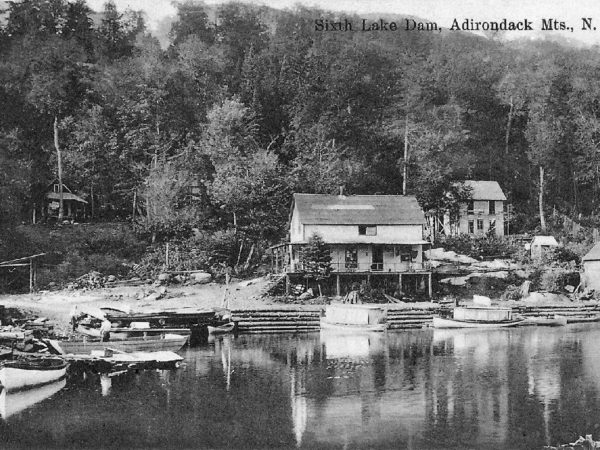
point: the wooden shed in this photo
(541, 245)
(591, 268)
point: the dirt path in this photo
(58, 305)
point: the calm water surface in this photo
(517, 388)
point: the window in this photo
(492, 226)
(367, 230)
(492, 207)
(479, 224)
(471, 227)
(470, 207)
(351, 258)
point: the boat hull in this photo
(170, 342)
(439, 322)
(17, 375)
(352, 328)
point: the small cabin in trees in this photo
(484, 213)
(74, 207)
(374, 238)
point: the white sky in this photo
(440, 11)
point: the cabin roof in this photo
(320, 209)
(593, 254)
(66, 196)
(485, 190)
(544, 240)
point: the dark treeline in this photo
(249, 104)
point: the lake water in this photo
(508, 388)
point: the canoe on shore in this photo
(439, 322)
(168, 342)
(29, 372)
(555, 320)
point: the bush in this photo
(563, 255)
(556, 279)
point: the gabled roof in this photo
(593, 254)
(66, 196)
(485, 190)
(320, 209)
(544, 240)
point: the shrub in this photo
(556, 279)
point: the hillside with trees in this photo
(205, 141)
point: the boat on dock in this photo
(478, 317)
(112, 362)
(354, 318)
(135, 329)
(166, 342)
(24, 373)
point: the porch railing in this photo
(345, 267)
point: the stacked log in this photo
(299, 319)
(401, 319)
(573, 313)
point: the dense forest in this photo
(246, 105)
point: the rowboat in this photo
(14, 402)
(167, 342)
(555, 320)
(29, 372)
(439, 322)
(134, 330)
(478, 317)
(354, 318)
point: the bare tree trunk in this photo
(61, 208)
(541, 200)
(508, 126)
(405, 168)
(134, 206)
(92, 201)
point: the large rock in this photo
(249, 282)
(200, 277)
(164, 277)
(441, 255)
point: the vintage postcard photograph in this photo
(299, 224)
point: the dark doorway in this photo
(377, 261)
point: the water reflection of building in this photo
(351, 394)
(469, 386)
